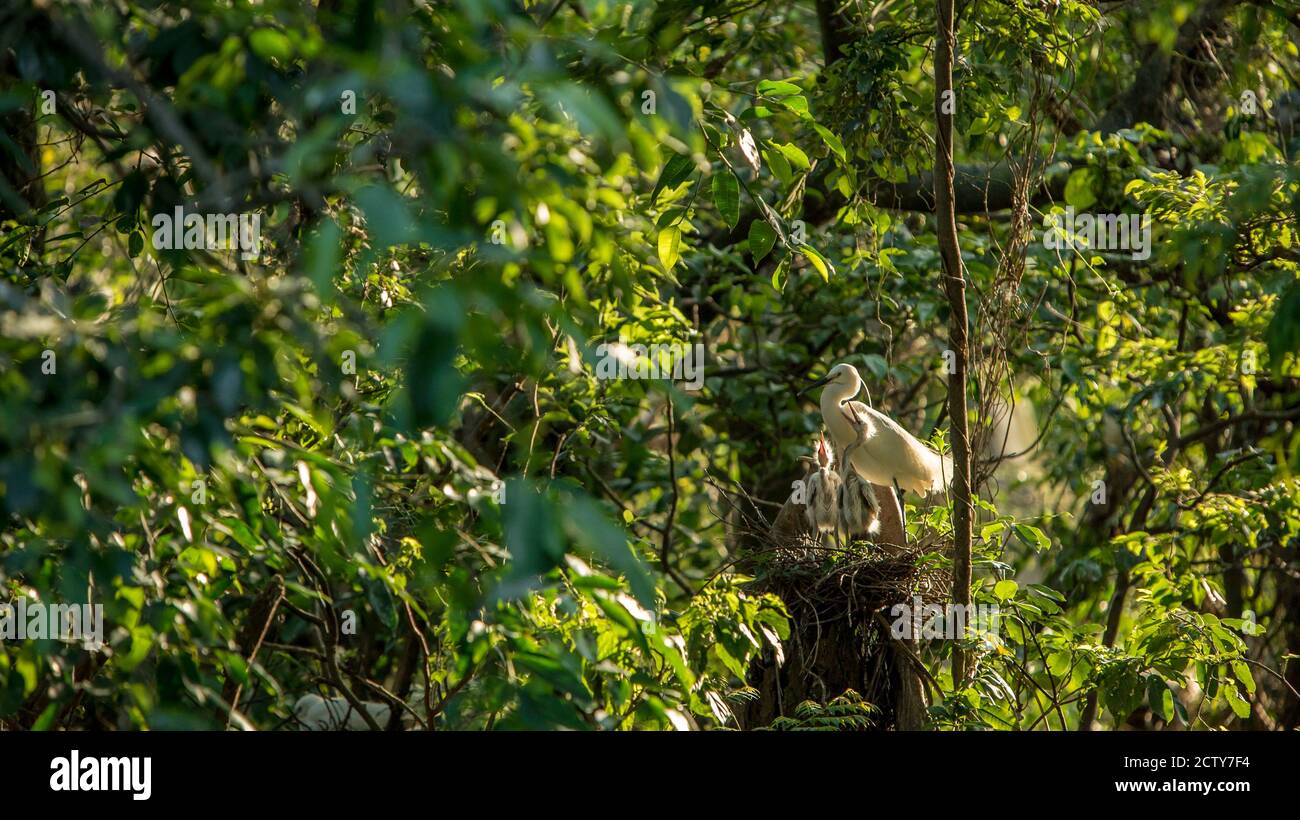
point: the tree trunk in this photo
(955, 285)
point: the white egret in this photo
(822, 495)
(877, 447)
(317, 714)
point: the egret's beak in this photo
(815, 385)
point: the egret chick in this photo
(859, 507)
(822, 498)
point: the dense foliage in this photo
(378, 461)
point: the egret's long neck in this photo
(833, 416)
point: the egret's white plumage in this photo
(317, 714)
(879, 450)
(822, 503)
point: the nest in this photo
(840, 649)
(821, 584)
(840, 643)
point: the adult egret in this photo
(823, 491)
(878, 449)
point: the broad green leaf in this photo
(832, 141)
(1283, 332)
(876, 365)
(1079, 188)
(778, 275)
(797, 158)
(761, 240)
(821, 263)
(1240, 707)
(670, 240)
(780, 166)
(798, 104)
(269, 44)
(1243, 674)
(1160, 697)
(778, 88)
(1032, 536)
(726, 196)
(674, 173)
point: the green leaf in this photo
(780, 166)
(589, 526)
(877, 365)
(531, 535)
(670, 216)
(674, 173)
(832, 141)
(595, 581)
(670, 240)
(268, 44)
(1160, 697)
(1283, 334)
(1048, 592)
(726, 196)
(1243, 674)
(1033, 537)
(761, 239)
(1239, 705)
(321, 259)
(797, 104)
(432, 379)
(619, 615)
(821, 263)
(46, 719)
(1005, 590)
(796, 156)
(778, 88)
(1079, 188)
(388, 215)
(778, 275)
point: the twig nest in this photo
(855, 581)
